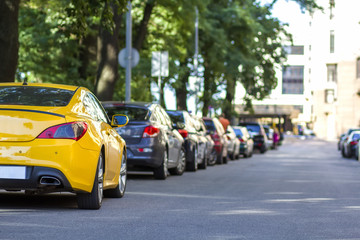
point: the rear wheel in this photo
(180, 168)
(212, 158)
(203, 165)
(119, 191)
(94, 199)
(219, 158)
(193, 166)
(162, 171)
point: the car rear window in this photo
(238, 132)
(176, 116)
(252, 127)
(133, 113)
(35, 96)
(210, 125)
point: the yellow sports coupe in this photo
(58, 138)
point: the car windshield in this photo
(133, 113)
(176, 116)
(35, 96)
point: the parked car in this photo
(184, 123)
(233, 143)
(258, 134)
(269, 134)
(218, 135)
(344, 138)
(246, 141)
(56, 138)
(350, 144)
(205, 138)
(152, 142)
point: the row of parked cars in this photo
(348, 143)
(168, 141)
(60, 138)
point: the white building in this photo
(322, 78)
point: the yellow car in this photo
(58, 138)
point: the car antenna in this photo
(25, 81)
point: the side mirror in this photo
(119, 120)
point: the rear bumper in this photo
(59, 158)
(33, 175)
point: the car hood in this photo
(18, 125)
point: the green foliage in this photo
(48, 49)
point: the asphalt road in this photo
(303, 190)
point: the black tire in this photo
(180, 168)
(94, 199)
(212, 158)
(225, 159)
(203, 165)
(119, 190)
(161, 172)
(343, 153)
(233, 156)
(192, 166)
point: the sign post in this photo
(160, 68)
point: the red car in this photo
(219, 137)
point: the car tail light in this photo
(241, 140)
(353, 142)
(183, 133)
(72, 130)
(150, 132)
(215, 137)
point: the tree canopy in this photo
(77, 42)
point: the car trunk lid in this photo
(19, 125)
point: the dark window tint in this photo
(209, 125)
(133, 113)
(176, 116)
(35, 96)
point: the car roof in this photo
(49, 85)
(134, 104)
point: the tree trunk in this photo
(142, 30)
(180, 90)
(207, 90)
(108, 49)
(230, 93)
(9, 39)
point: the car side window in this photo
(164, 117)
(94, 108)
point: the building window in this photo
(329, 95)
(358, 68)
(332, 73)
(294, 50)
(293, 80)
(332, 41)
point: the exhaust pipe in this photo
(49, 181)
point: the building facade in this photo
(319, 84)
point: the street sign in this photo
(135, 57)
(160, 64)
